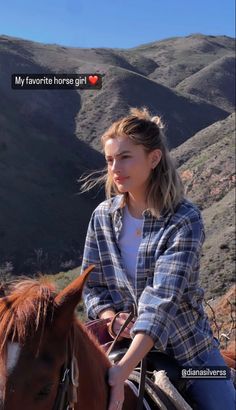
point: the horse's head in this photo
(34, 326)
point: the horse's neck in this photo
(93, 366)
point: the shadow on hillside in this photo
(42, 219)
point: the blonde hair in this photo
(165, 189)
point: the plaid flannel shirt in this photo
(166, 293)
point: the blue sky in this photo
(114, 23)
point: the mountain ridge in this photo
(48, 139)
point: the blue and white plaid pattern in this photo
(167, 293)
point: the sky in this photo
(114, 23)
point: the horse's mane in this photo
(24, 308)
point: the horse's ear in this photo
(67, 299)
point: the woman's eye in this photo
(110, 161)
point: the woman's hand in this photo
(118, 373)
(106, 314)
(116, 380)
(119, 321)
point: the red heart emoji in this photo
(93, 79)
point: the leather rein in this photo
(67, 394)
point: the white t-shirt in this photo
(129, 241)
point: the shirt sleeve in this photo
(96, 294)
(158, 304)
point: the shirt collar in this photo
(119, 201)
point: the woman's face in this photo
(129, 164)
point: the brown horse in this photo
(41, 342)
(38, 336)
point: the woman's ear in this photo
(155, 157)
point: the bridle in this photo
(67, 394)
(143, 368)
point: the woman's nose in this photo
(115, 166)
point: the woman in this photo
(146, 241)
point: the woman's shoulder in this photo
(185, 212)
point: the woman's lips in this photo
(120, 179)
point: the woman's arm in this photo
(138, 349)
(175, 269)
(96, 295)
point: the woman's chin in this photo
(122, 190)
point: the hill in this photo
(48, 138)
(214, 83)
(41, 222)
(180, 57)
(206, 163)
(131, 89)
